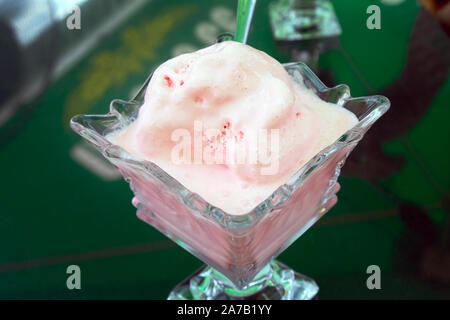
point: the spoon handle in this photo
(244, 19)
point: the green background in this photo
(54, 212)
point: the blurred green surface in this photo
(54, 212)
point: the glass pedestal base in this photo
(276, 281)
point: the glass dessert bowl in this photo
(239, 250)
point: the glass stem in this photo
(260, 281)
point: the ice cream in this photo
(229, 124)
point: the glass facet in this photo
(239, 250)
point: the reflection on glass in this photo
(303, 19)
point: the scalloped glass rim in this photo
(94, 128)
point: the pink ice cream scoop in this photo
(229, 124)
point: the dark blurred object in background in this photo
(9, 63)
(37, 46)
(428, 53)
(441, 9)
(24, 62)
